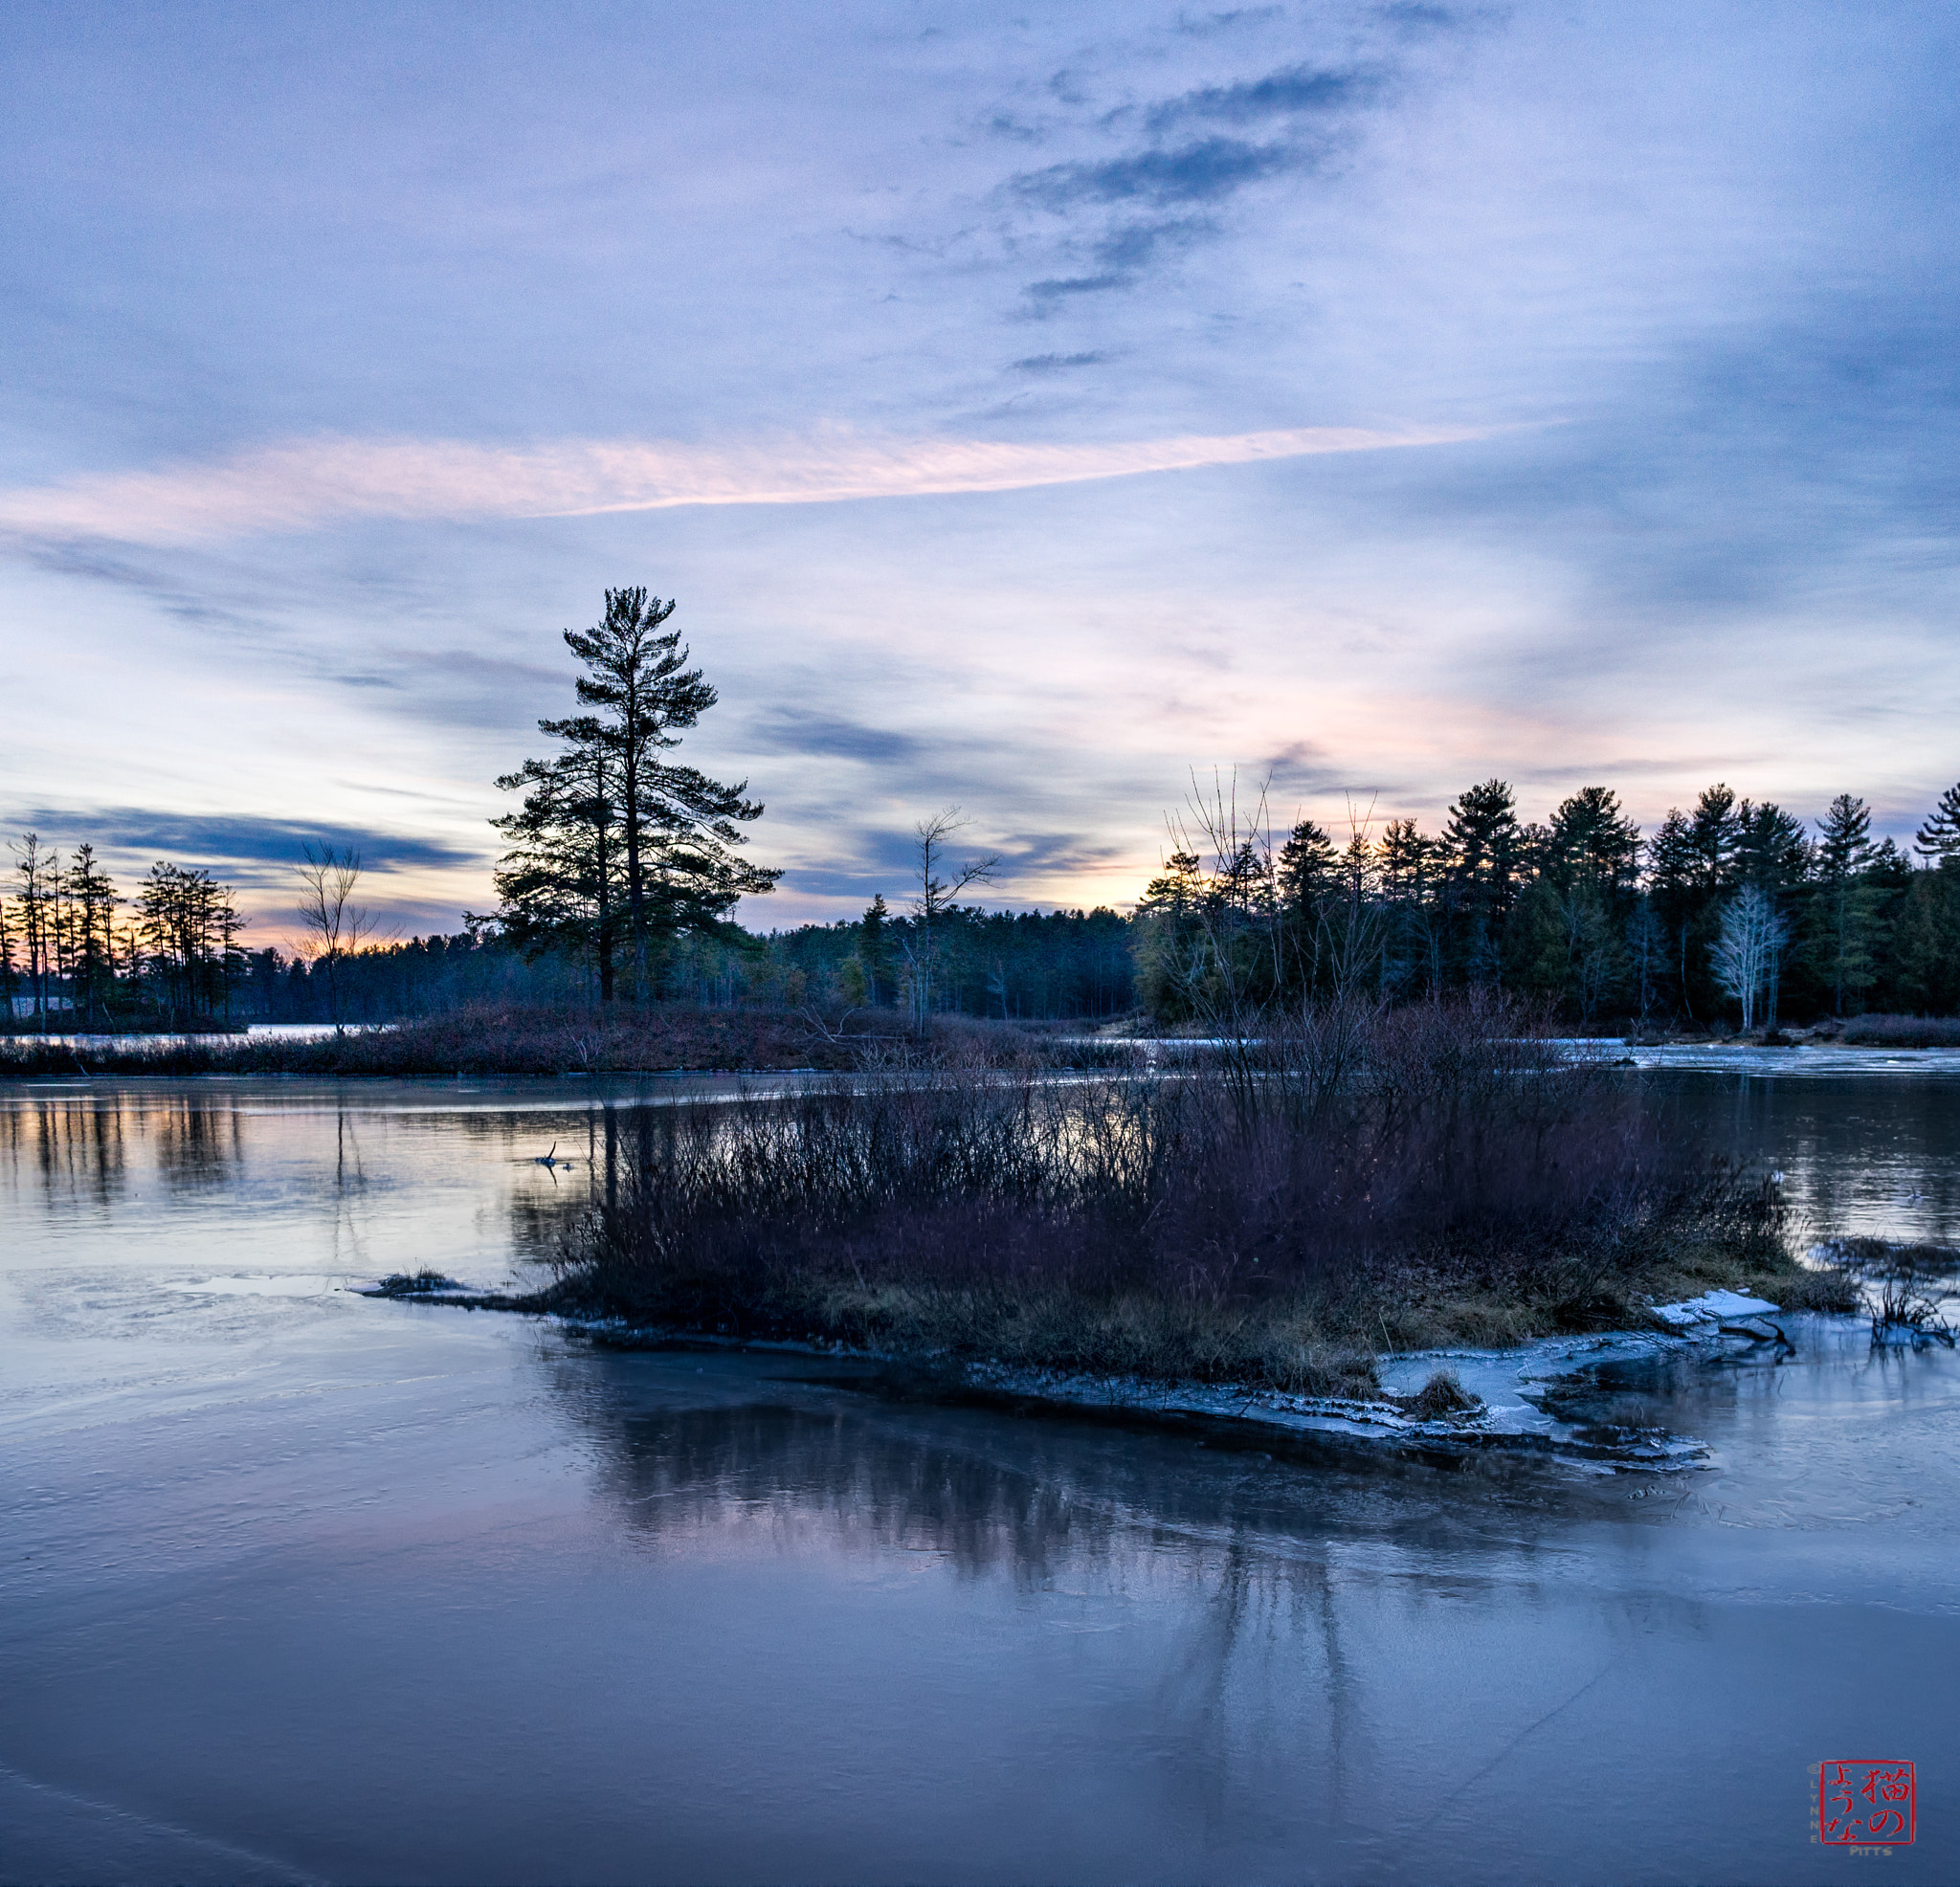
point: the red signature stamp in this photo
(1866, 1803)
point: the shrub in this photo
(1270, 1211)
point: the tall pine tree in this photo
(614, 840)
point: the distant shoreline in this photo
(681, 1038)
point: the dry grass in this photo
(1440, 1397)
(492, 1039)
(1902, 1032)
(1823, 1288)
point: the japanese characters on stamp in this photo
(1866, 1802)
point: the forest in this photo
(1732, 914)
(623, 867)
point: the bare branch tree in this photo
(939, 883)
(335, 927)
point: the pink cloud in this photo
(309, 483)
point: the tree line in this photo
(74, 951)
(1730, 910)
(623, 867)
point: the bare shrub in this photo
(1258, 1212)
(1440, 1397)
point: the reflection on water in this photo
(306, 1586)
(1864, 1153)
(362, 1176)
(1872, 1155)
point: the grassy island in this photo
(1271, 1212)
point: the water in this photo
(1869, 1140)
(107, 1042)
(304, 1586)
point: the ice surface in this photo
(1711, 1307)
(288, 1284)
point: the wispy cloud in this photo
(232, 841)
(1298, 91)
(309, 483)
(1057, 363)
(1200, 173)
(800, 731)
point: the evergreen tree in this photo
(1713, 835)
(34, 869)
(92, 897)
(1839, 938)
(188, 927)
(1565, 937)
(1939, 838)
(1591, 841)
(1408, 867)
(1482, 844)
(1926, 941)
(557, 884)
(1174, 964)
(1306, 875)
(1691, 872)
(674, 829)
(875, 950)
(1770, 850)
(8, 972)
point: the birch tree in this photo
(1748, 951)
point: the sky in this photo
(1031, 414)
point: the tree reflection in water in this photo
(81, 1144)
(1241, 1576)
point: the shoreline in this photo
(70, 1064)
(1503, 1396)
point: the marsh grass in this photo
(1440, 1397)
(1270, 1213)
(1820, 1288)
(1902, 1032)
(414, 1284)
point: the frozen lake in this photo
(306, 1587)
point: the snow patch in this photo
(1508, 1382)
(1712, 1307)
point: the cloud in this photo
(797, 731)
(1059, 288)
(192, 838)
(1416, 19)
(1206, 171)
(1301, 89)
(313, 482)
(1057, 363)
(1225, 22)
(1305, 769)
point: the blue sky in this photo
(1025, 411)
